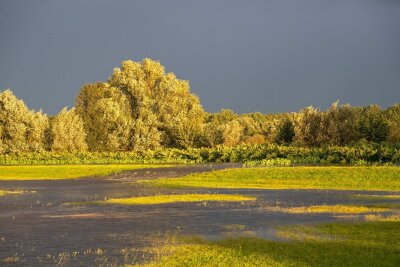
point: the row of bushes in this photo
(366, 153)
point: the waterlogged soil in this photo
(38, 229)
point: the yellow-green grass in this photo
(345, 209)
(340, 178)
(392, 206)
(10, 192)
(349, 244)
(382, 218)
(233, 227)
(165, 199)
(57, 172)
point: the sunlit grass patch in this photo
(340, 178)
(382, 218)
(304, 232)
(345, 209)
(164, 199)
(233, 227)
(10, 260)
(56, 172)
(11, 192)
(349, 244)
(392, 206)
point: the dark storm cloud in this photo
(267, 56)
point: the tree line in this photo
(141, 107)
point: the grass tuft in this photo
(11, 192)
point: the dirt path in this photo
(36, 229)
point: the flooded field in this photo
(40, 228)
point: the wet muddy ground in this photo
(37, 229)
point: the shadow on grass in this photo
(349, 244)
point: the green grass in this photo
(344, 209)
(164, 199)
(342, 178)
(382, 218)
(334, 244)
(56, 172)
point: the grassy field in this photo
(334, 244)
(56, 172)
(164, 199)
(342, 178)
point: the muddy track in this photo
(38, 229)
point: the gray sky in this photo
(267, 56)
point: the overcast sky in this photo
(266, 56)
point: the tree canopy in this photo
(142, 107)
(21, 129)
